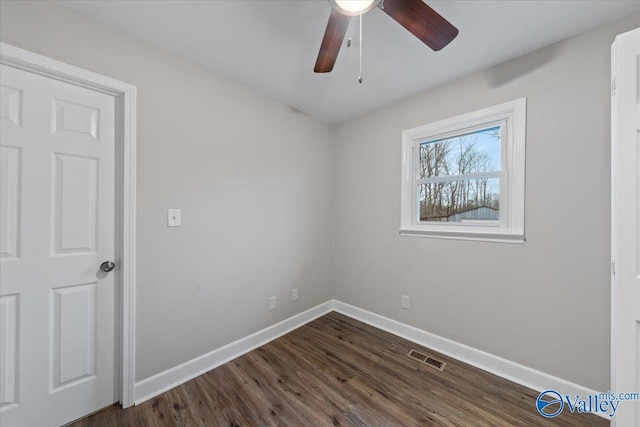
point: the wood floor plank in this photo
(336, 371)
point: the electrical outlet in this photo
(405, 302)
(294, 295)
(272, 303)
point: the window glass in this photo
(468, 201)
(460, 200)
(474, 152)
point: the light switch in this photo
(174, 218)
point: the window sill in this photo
(465, 235)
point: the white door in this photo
(626, 223)
(57, 330)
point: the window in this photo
(463, 178)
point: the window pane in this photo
(468, 201)
(474, 152)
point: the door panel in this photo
(11, 108)
(73, 334)
(75, 194)
(57, 227)
(8, 350)
(75, 119)
(10, 202)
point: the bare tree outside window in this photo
(465, 197)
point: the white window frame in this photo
(511, 116)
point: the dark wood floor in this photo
(338, 371)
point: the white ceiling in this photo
(271, 45)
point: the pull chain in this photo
(360, 77)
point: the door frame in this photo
(612, 284)
(618, 109)
(125, 195)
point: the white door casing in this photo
(625, 244)
(125, 199)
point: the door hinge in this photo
(613, 268)
(613, 86)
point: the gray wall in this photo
(252, 177)
(544, 304)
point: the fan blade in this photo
(333, 37)
(421, 21)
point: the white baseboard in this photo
(512, 371)
(173, 377)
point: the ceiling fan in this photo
(414, 15)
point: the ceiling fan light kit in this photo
(353, 7)
(414, 15)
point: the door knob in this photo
(107, 266)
